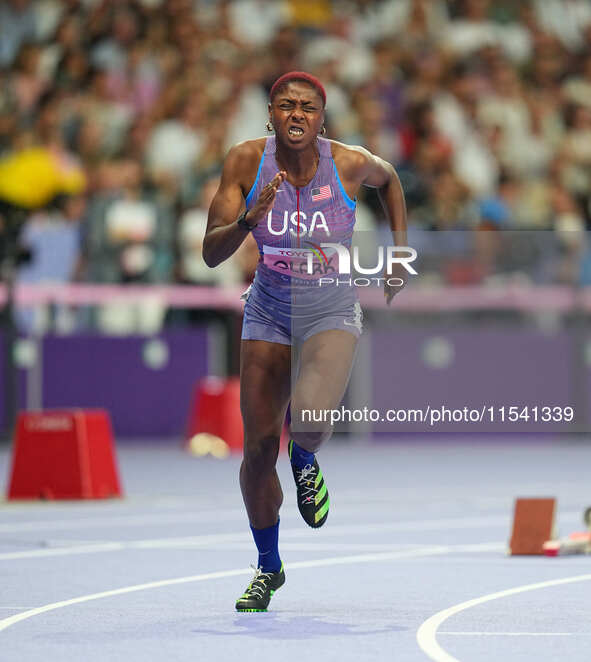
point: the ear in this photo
(323, 117)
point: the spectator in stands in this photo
(53, 240)
(576, 150)
(577, 88)
(455, 115)
(191, 232)
(176, 143)
(129, 235)
(17, 26)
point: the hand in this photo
(399, 273)
(265, 200)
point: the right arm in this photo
(223, 235)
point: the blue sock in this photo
(267, 542)
(300, 457)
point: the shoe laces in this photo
(258, 586)
(307, 482)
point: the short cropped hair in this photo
(298, 76)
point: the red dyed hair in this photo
(301, 76)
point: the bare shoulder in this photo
(351, 160)
(242, 161)
(358, 165)
(248, 149)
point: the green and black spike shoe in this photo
(260, 590)
(313, 500)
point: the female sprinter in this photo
(294, 191)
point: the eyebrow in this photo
(285, 99)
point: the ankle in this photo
(266, 541)
(299, 456)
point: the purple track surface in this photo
(415, 528)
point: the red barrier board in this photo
(65, 454)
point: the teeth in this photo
(295, 131)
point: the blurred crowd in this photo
(483, 107)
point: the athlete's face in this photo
(297, 114)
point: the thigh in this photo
(325, 365)
(265, 381)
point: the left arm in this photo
(371, 170)
(382, 176)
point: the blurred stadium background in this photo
(484, 108)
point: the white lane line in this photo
(157, 543)
(517, 634)
(207, 540)
(427, 633)
(313, 544)
(317, 563)
(166, 519)
(482, 521)
(238, 513)
(62, 551)
(369, 547)
(122, 520)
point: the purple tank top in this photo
(289, 245)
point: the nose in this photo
(297, 114)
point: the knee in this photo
(260, 452)
(310, 427)
(311, 440)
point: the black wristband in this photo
(243, 223)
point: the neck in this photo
(298, 163)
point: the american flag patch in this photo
(321, 193)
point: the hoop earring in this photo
(269, 127)
(322, 130)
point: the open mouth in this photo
(295, 131)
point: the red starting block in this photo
(576, 543)
(66, 454)
(533, 525)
